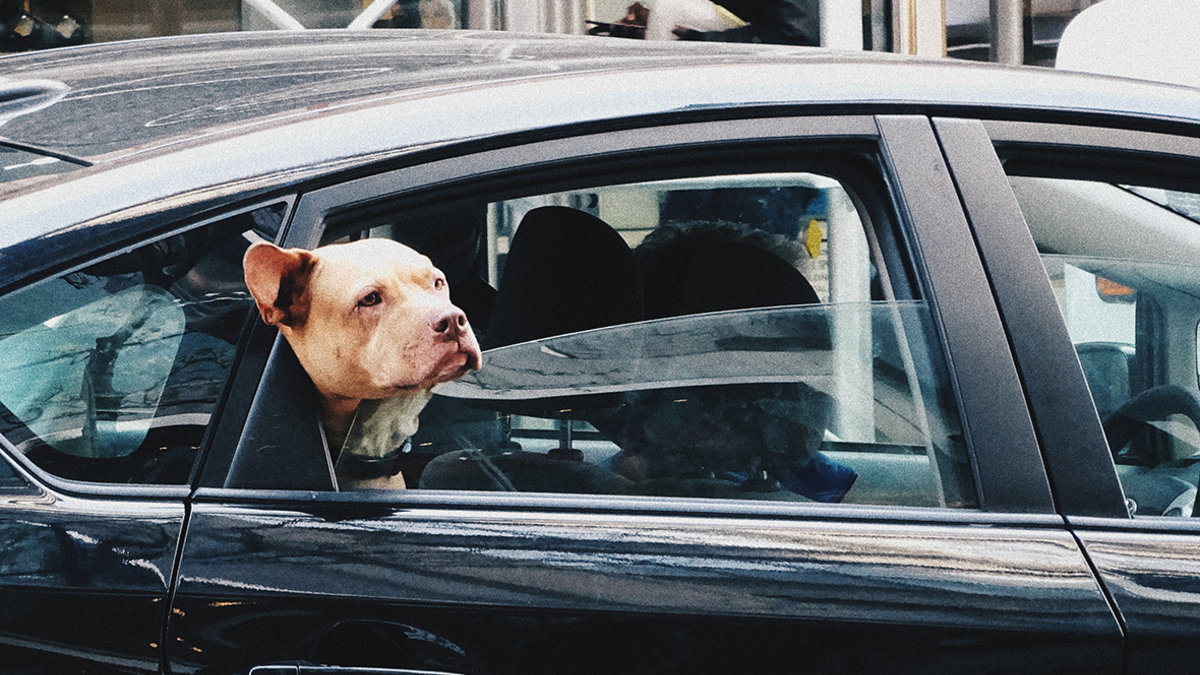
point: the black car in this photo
(795, 361)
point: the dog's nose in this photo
(451, 324)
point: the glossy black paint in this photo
(508, 641)
(568, 576)
(84, 582)
(1152, 570)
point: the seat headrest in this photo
(566, 271)
(729, 275)
(695, 273)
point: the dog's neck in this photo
(337, 416)
(378, 428)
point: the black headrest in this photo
(566, 271)
(726, 275)
(694, 274)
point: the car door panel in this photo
(84, 581)
(1152, 572)
(968, 582)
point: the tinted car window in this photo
(112, 372)
(727, 336)
(1121, 259)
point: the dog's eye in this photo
(370, 299)
(439, 283)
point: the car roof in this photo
(178, 115)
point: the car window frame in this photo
(1084, 482)
(1077, 454)
(1006, 482)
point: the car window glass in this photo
(112, 372)
(1121, 259)
(722, 336)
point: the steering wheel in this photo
(1155, 404)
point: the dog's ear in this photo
(278, 280)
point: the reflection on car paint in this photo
(940, 576)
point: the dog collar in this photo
(359, 467)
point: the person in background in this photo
(419, 14)
(791, 22)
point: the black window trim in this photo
(1011, 476)
(1080, 468)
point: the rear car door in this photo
(1105, 220)
(116, 346)
(747, 405)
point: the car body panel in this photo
(65, 561)
(1151, 570)
(650, 568)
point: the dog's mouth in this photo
(474, 361)
(474, 356)
(451, 364)
(468, 350)
(459, 363)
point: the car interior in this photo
(1121, 259)
(113, 370)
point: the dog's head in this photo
(368, 320)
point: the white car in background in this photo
(1145, 39)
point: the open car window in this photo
(743, 336)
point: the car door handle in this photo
(310, 669)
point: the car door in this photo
(876, 500)
(1107, 277)
(115, 349)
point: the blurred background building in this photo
(1009, 31)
